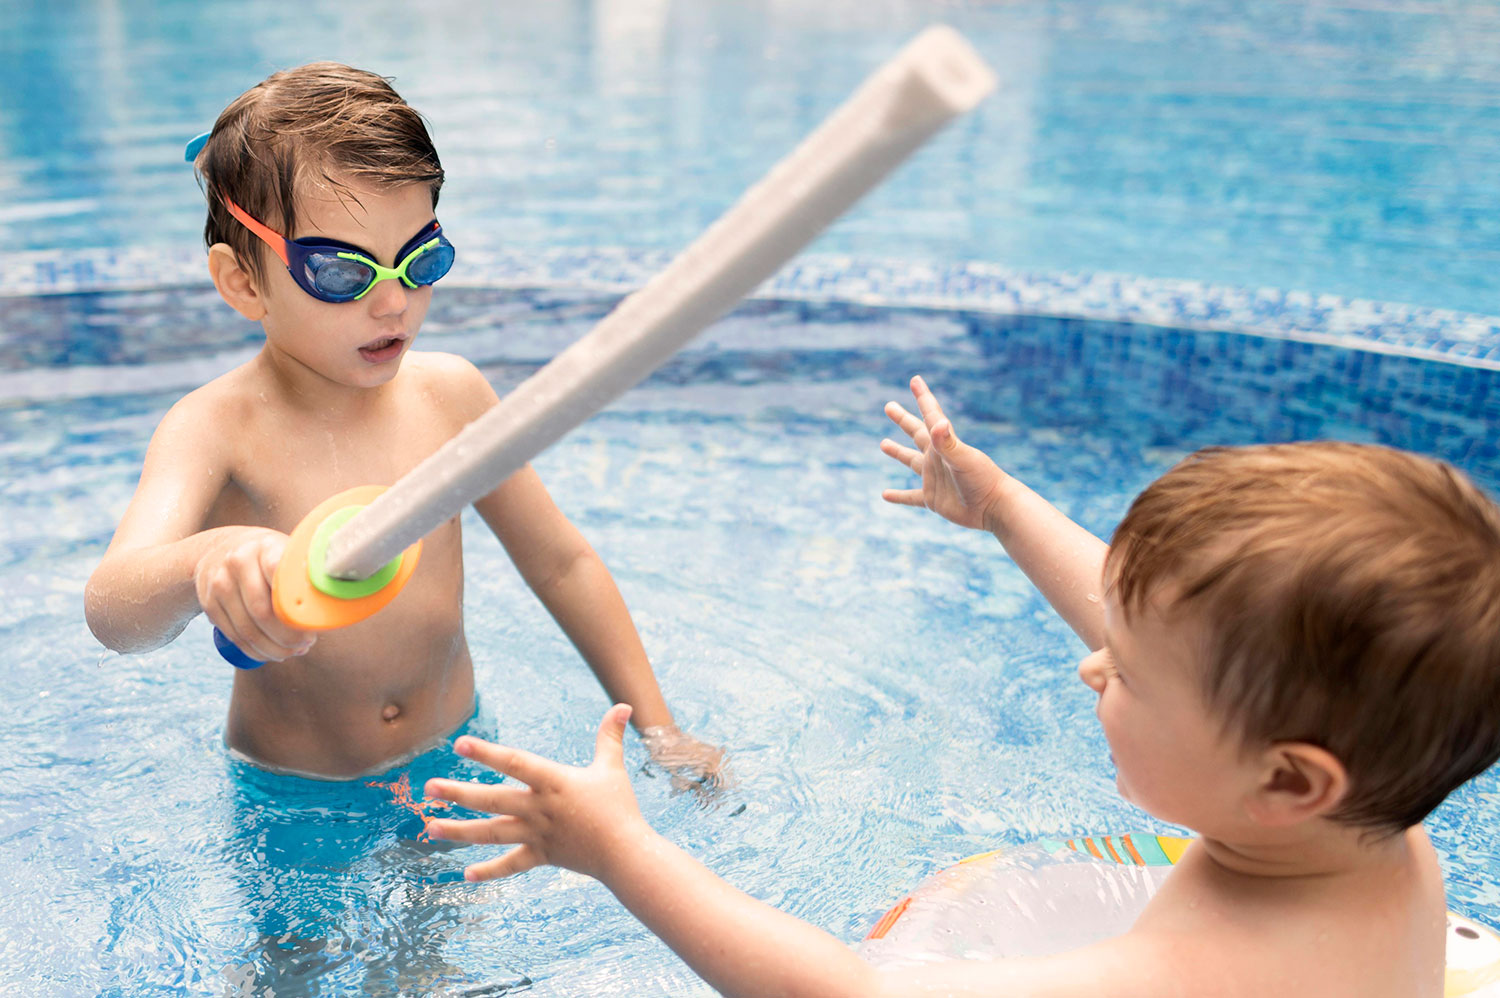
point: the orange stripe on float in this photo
(1130, 846)
(1093, 849)
(1112, 854)
(889, 919)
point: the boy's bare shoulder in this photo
(194, 453)
(202, 414)
(450, 383)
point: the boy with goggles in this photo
(346, 172)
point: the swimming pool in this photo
(893, 694)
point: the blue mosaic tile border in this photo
(1435, 334)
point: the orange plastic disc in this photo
(302, 605)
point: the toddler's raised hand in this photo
(233, 582)
(959, 482)
(577, 818)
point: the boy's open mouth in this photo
(383, 349)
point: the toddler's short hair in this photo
(319, 120)
(1351, 598)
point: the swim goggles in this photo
(334, 271)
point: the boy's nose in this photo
(1091, 670)
(387, 298)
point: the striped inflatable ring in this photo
(969, 911)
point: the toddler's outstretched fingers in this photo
(910, 425)
(503, 831)
(944, 436)
(904, 497)
(927, 403)
(482, 796)
(518, 860)
(522, 765)
(608, 744)
(906, 455)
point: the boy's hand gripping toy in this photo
(345, 562)
(310, 599)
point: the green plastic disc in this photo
(317, 557)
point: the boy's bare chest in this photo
(283, 469)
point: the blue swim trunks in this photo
(337, 879)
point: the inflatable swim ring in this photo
(1010, 902)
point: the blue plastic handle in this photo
(232, 653)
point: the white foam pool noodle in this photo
(936, 77)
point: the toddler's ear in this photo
(1298, 781)
(235, 284)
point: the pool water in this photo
(1340, 148)
(892, 693)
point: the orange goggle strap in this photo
(269, 236)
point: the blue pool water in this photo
(1341, 148)
(892, 693)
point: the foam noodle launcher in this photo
(369, 534)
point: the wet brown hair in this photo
(1351, 598)
(325, 121)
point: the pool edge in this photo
(1446, 336)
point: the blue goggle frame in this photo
(333, 271)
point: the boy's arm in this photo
(587, 820)
(161, 568)
(743, 946)
(576, 588)
(572, 582)
(961, 484)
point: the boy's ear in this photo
(1297, 781)
(235, 284)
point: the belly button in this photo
(391, 712)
